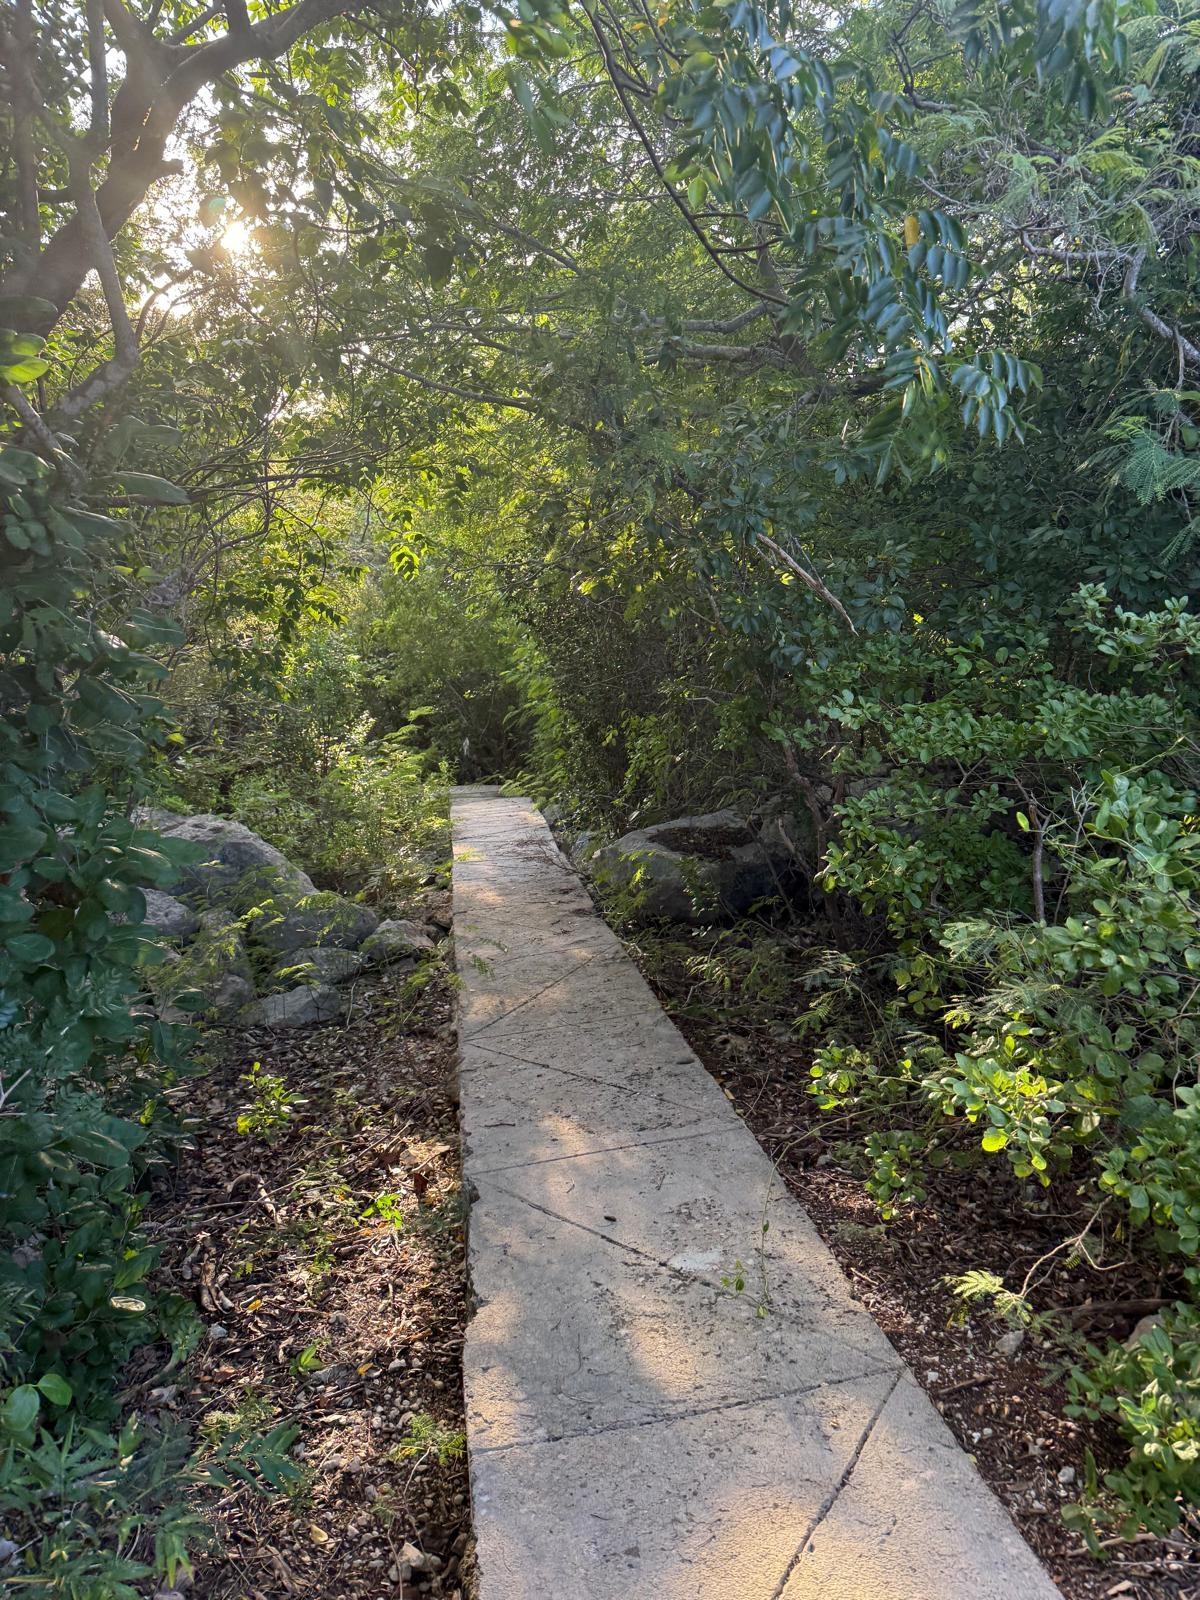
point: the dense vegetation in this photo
(671, 406)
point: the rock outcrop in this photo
(251, 939)
(696, 869)
(318, 964)
(232, 867)
(296, 1008)
(168, 917)
(314, 920)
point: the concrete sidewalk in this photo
(640, 1429)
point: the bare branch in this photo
(808, 579)
(20, 55)
(98, 69)
(757, 355)
(1188, 352)
(194, 26)
(36, 426)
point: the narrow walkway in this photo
(640, 1429)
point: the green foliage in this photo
(426, 1437)
(270, 1107)
(976, 1287)
(83, 1063)
(741, 404)
(1151, 1388)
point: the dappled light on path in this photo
(671, 1392)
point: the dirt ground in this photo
(324, 1250)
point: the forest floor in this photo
(1005, 1409)
(326, 1256)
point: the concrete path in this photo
(638, 1428)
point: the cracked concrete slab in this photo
(703, 1505)
(531, 1113)
(575, 1334)
(904, 1511)
(672, 1393)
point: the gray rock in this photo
(231, 995)
(1009, 1343)
(235, 867)
(582, 850)
(317, 919)
(395, 939)
(1142, 1327)
(297, 1008)
(168, 917)
(211, 980)
(317, 964)
(695, 868)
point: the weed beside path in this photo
(324, 1248)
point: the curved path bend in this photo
(638, 1428)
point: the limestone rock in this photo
(228, 999)
(235, 867)
(693, 869)
(582, 850)
(318, 964)
(395, 939)
(317, 919)
(295, 1008)
(211, 980)
(168, 917)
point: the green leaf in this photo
(27, 370)
(20, 1410)
(994, 1139)
(145, 486)
(55, 1388)
(22, 310)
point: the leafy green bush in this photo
(1151, 1388)
(85, 1070)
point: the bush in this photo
(1151, 1388)
(86, 1072)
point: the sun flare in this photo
(235, 237)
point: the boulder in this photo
(693, 869)
(317, 964)
(168, 917)
(395, 939)
(234, 866)
(582, 850)
(316, 919)
(295, 1008)
(228, 999)
(211, 980)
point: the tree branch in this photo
(110, 374)
(1188, 352)
(98, 70)
(808, 579)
